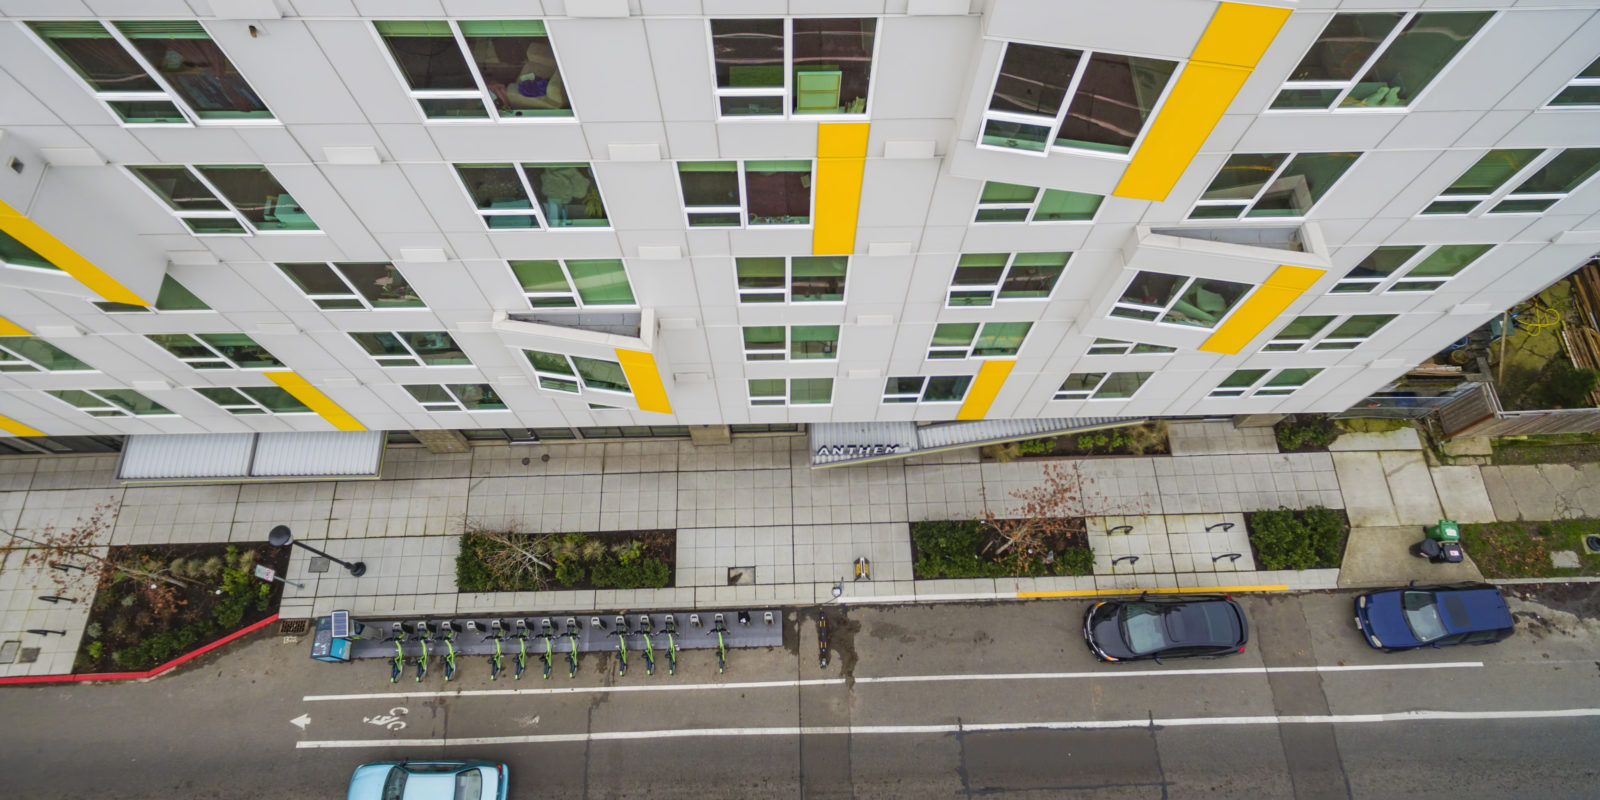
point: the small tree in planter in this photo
(1047, 515)
(52, 545)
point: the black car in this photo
(1182, 626)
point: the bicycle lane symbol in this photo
(393, 720)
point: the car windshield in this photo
(394, 786)
(1142, 628)
(469, 785)
(1422, 614)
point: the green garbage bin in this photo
(1445, 531)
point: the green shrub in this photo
(1302, 431)
(471, 575)
(1037, 447)
(1086, 442)
(1562, 385)
(949, 549)
(569, 572)
(158, 648)
(1102, 440)
(641, 573)
(1074, 561)
(1285, 539)
(263, 596)
(92, 630)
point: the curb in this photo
(136, 676)
(1515, 581)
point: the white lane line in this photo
(990, 727)
(1152, 673)
(660, 687)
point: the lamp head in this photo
(279, 536)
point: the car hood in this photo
(1106, 635)
(1384, 619)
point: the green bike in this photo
(670, 628)
(649, 650)
(622, 645)
(422, 634)
(520, 663)
(719, 627)
(572, 655)
(546, 633)
(448, 631)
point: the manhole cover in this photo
(741, 576)
(8, 652)
(1591, 544)
(318, 564)
(293, 627)
(29, 655)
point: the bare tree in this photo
(511, 558)
(75, 547)
(1049, 513)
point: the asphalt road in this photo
(995, 700)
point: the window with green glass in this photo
(1118, 347)
(478, 69)
(828, 64)
(353, 286)
(1376, 268)
(32, 354)
(1101, 385)
(549, 195)
(171, 297)
(111, 402)
(1438, 266)
(216, 350)
(1377, 59)
(1257, 383)
(255, 201)
(982, 277)
(739, 193)
(1053, 96)
(1010, 202)
(574, 283)
(1298, 333)
(919, 389)
(258, 197)
(1271, 184)
(775, 342)
(573, 374)
(412, 348)
(1353, 331)
(1239, 383)
(1582, 92)
(1551, 182)
(975, 340)
(155, 72)
(1178, 300)
(16, 254)
(1482, 180)
(457, 397)
(797, 279)
(246, 400)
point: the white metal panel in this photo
(326, 453)
(186, 456)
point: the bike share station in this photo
(542, 643)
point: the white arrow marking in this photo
(301, 721)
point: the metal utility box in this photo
(331, 642)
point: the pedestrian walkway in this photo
(755, 523)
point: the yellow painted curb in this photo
(1184, 590)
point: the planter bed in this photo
(610, 560)
(1291, 539)
(1149, 439)
(957, 549)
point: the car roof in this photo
(1473, 609)
(1191, 621)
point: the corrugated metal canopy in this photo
(196, 457)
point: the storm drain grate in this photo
(8, 651)
(294, 627)
(29, 655)
(318, 564)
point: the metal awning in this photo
(231, 457)
(838, 443)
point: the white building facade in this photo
(602, 218)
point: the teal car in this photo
(429, 780)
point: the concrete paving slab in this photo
(1366, 493)
(1402, 439)
(1381, 556)
(1411, 487)
(1462, 494)
(1544, 491)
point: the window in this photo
(1271, 185)
(216, 350)
(769, 193)
(16, 254)
(1052, 96)
(359, 286)
(766, 67)
(479, 69)
(982, 277)
(457, 397)
(918, 389)
(233, 200)
(1117, 347)
(1297, 334)
(791, 391)
(800, 279)
(1583, 91)
(964, 339)
(767, 342)
(30, 354)
(110, 402)
(1255, 383)
(1009, 202)
(172, 297)
(1178, 300)
(573, 374)
(165, 72)
(412, 349)
(1353, 331)
(1101, 385)
(505, 194)
(627, 432)
(1547, 177)
(550, 284)
(245, 400)
(1395, 54)
(1430, 267)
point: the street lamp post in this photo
(280, 536)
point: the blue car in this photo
(429, 780)
(1433, 616)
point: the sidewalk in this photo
(753, 504)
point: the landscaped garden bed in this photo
(1149, 438)
(1522, 549)
(1311, 538)
(1301, 433)
(976, 549)
(508, 561)
(157, 602)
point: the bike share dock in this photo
(340, 637)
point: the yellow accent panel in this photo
(984, 388)
(53, 250)
(841, 162)
(1233, 42)
(1239, 34)
(9, 328)
(644, 378)
(10, 425)
(316, 400)
(1261, 309)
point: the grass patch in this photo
(1371, 424)
(1522, 549)
(1311, 538)
(963, 549)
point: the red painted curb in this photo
(123, 676)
